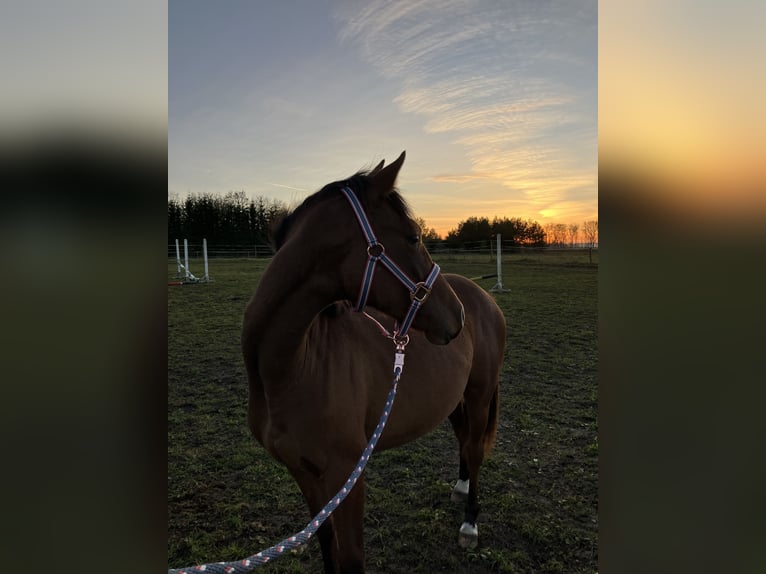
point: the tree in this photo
(556, 234)
(590, 231)
(534, 236)
(514, 231)
(572, 229)
(472, 230)
(428, 234)
(518, 231)
(232, 219)
(201, 215)
(263, 213)
(175, 219)
(234, 222)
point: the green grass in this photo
(228, 499)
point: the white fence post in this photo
(178, 260)
(204, 255)
(498, 287)
(186, 257)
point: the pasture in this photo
(227, 499)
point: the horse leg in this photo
(316, 498)
(457, 419)
(474, 456)
(471, 457)
(348, 526)
(481, 415)
(465, 489)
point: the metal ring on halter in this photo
(381, 249)
(400, 343)
(418, 288)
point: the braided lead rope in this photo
(251, 563)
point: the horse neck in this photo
(287, 300)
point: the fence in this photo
(239, 251)
(439, 249)
(488, 248)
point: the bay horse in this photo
(319, 372)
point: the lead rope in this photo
(251, 563)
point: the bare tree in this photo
(556, 234)
(428, 233)
(573, 229)
(590, 230)
(549, 233)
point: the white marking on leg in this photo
(469, 535)
(460, 492)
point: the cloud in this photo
(286, 186)
(459, 178)
(515, 85)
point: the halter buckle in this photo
(420, 293)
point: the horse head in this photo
(398, 243)
(347, 224)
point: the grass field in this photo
(228, 499)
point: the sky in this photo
(494, 102)
(681, 92)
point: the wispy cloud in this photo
(459, 178)
(514, 84)
(286, 186)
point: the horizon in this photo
(495, 105)
(428, 228)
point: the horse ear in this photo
(383, 180)
(378, 167)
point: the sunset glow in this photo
(494, 104)
(695, 122)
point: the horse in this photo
(319, 372)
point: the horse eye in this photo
(413, 239)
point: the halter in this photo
(376, 253)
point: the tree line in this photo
(514, 230)
(231, 219)
(235, 219)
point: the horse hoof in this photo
(469, 536)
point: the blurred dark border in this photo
(83, 344)
(681, 320)
(84, 348)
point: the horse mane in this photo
(358, 183)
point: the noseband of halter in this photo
(376, 253)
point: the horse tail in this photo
(491, 431)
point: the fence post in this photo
(178, 260)
(204, 254)
(186, 257)
(499, 253)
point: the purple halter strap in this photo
(376, 253)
